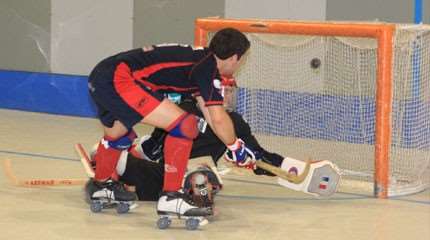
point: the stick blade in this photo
(321, 178)
(7, 168)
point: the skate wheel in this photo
(163, 222)
(122, 208)
(96, 207)
(192, 223)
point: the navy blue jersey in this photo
(175, 68)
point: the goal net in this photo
(359, 99)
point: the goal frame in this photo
(382, 32)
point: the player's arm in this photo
(210, 100)
(219, 120)
(204, 110)
(222, 125)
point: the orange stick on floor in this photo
(48, 182)
(85, 160)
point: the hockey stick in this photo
(284, 175)
(85, 160)
(7, 167)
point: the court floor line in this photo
(38, 155)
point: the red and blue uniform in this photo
(130, 85)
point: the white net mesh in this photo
(303, 109)
(410, 151)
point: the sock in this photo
(106, 160)
(176, 154)
(108, 153)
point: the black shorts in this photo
(118, 96)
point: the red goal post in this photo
(382, 32)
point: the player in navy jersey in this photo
(128, 88)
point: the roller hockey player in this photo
(127, 89)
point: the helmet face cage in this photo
(202, 185)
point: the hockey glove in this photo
(239, 154)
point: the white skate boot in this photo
(110, 194)
(180, 205)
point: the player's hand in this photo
(239, 154)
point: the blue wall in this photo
(45, 92)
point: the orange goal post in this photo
(337, 108)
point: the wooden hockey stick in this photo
(297, 179)
(85, 160)
(7, 167)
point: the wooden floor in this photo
(251, 207)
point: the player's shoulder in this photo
(171, 47)
(205, 61)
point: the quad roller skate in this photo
(110, 194)
(179, 205)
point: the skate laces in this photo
(117, 186)
(113, 186)
(183, 199)
(106, 188)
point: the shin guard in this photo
(177, 149)
(176, 154)
(108, 153)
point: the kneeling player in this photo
(322, 178)
(200, 184)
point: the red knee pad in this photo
(184, 127)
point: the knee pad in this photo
(123, 142)
(186, 127)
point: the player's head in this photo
(228, 42)
(229, 45)
(202, 184)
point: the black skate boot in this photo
(180, 205)
(109, 194)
